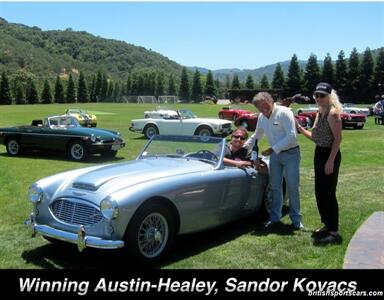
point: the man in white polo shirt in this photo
(278, 124)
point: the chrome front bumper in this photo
(81, 238)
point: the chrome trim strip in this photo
(86, 241)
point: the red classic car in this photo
(250, 121)
(232, 113)
(356, 121)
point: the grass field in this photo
(242, 244)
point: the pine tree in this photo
(341, 75)
(353, 76)
(59, 91)
(92, 95)
(293, 82)
(366, 77)
(31, 93)
(5, 91)
(46, 95)
(159, 89)
(116, 92)
(171, 86)
(82, 92)
(184, 85)
(210, 89)
(110, 90)
(128, 86)
(264, 84)
(249, 84)
(235, 83)
(104, 88)
(71, 95)
(328, 74)
(311, 75)
(378, 76)
(98, 84)
(197, 89)
(278, 80)
(19, 94)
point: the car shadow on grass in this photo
(66, 256)
(62, 157)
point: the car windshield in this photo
(187, 114)
(63, 122)
(203, 148)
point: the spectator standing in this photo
(278, 124)
(326, 134)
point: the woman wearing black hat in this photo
(326, 134)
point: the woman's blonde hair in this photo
(335, 102)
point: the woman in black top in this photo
(326, 134)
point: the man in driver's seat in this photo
(237, 156)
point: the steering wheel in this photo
(203, 154)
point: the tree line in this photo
(356, 80)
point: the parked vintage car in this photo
(353, 109)
(232, 113)
(177, 185)
(179, 122)
(356, 121)
(61, 133)
(249, 122)
(83, 116)
(311, 108)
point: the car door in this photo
(52, 139)
(30, 137)
(170, 126)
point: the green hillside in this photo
(49, 53)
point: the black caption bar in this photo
(209, 283)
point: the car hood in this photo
(102, 133)
(118, 176)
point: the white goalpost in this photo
(147, 99)
(168, 99)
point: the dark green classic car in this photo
(61, 133)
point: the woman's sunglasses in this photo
(238, 137)
(319, 95)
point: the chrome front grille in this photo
(228, 125)
(75, 212)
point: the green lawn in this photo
(242, 244)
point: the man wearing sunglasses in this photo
(235, 155)
(278, 124)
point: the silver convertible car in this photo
(177, 185)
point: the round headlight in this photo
(93, 138)
(35, 194)
(109, 209)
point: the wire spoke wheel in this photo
(153, 235)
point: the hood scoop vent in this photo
(84, 186)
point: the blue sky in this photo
(216, 35)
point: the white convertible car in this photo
(350, 108)
(311, 108)
(179, 122)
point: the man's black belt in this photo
(290, 149)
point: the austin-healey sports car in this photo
(61, 134)
(176, 185)
(179, 122)
(83, 117)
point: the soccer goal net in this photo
(168, 99)
(146, 99)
